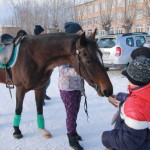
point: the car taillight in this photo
(118, 51)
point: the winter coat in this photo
(132, 129)
(69, 80)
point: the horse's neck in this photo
(53, 55)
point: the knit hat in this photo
(72, 27)
(138, 71)
(38, 29)
(142, 51)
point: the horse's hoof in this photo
(47, 136)
(17, 136)
(45, 133)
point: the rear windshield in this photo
(107, 42)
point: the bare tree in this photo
(146, 12)
(106, 14)
(50, 14)
(129, 14)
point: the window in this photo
(129, 2)
(148, 12)
(84, 22)
(107, 42)
(102, 6)
(119, 17)
(96, 8)
(89, 9)
(110, 4)
(140, 40)
(139, 14)
(84, 10)
(96, 20)
(119, 30)
(130, 42)
(148, 28)
(111, 31)
(102, 19)
(90, 21)
(97, 32)
(120, 3)
(102, 32)
(139, 1)
(77, 12)
(89, 32)
(138, 28)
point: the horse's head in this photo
(87, 61)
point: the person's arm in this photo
(67, 71)
(122, 96)
(119, 97)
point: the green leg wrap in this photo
(40, 121)
(17, 119)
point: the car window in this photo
(107, 42)
(147, 37)
(140, 40)
(130, 41)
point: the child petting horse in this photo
(132, 129)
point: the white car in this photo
(117, 48)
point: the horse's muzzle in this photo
(108, 93)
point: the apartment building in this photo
(115, 15)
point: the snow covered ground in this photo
(99, 109)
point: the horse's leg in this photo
(20, 93)
(39, 97)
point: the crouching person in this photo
(132, 128)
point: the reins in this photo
(82, 84)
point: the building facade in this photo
(115, 15)
(9, 30)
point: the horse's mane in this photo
(73, 37)
(56, 36)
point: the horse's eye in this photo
(85, 54)
(89, 62)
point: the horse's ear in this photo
(81, 42)
(83, 39)
(92, 35)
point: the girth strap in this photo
(9, 82)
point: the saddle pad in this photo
(13, 58)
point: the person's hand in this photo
(112, 100)
(107, 149)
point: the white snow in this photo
(99, 109)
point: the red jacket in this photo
(137, 106)
(132, 129)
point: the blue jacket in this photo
(132, 129)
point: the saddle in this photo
(7, 42)
(9, 48)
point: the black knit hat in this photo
(138, 71)
(142, 51)
(72, 27)
(38, 29)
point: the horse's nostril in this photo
(108, 93)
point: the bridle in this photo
(80, 64)
(95, 86)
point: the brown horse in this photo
(38, 55)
